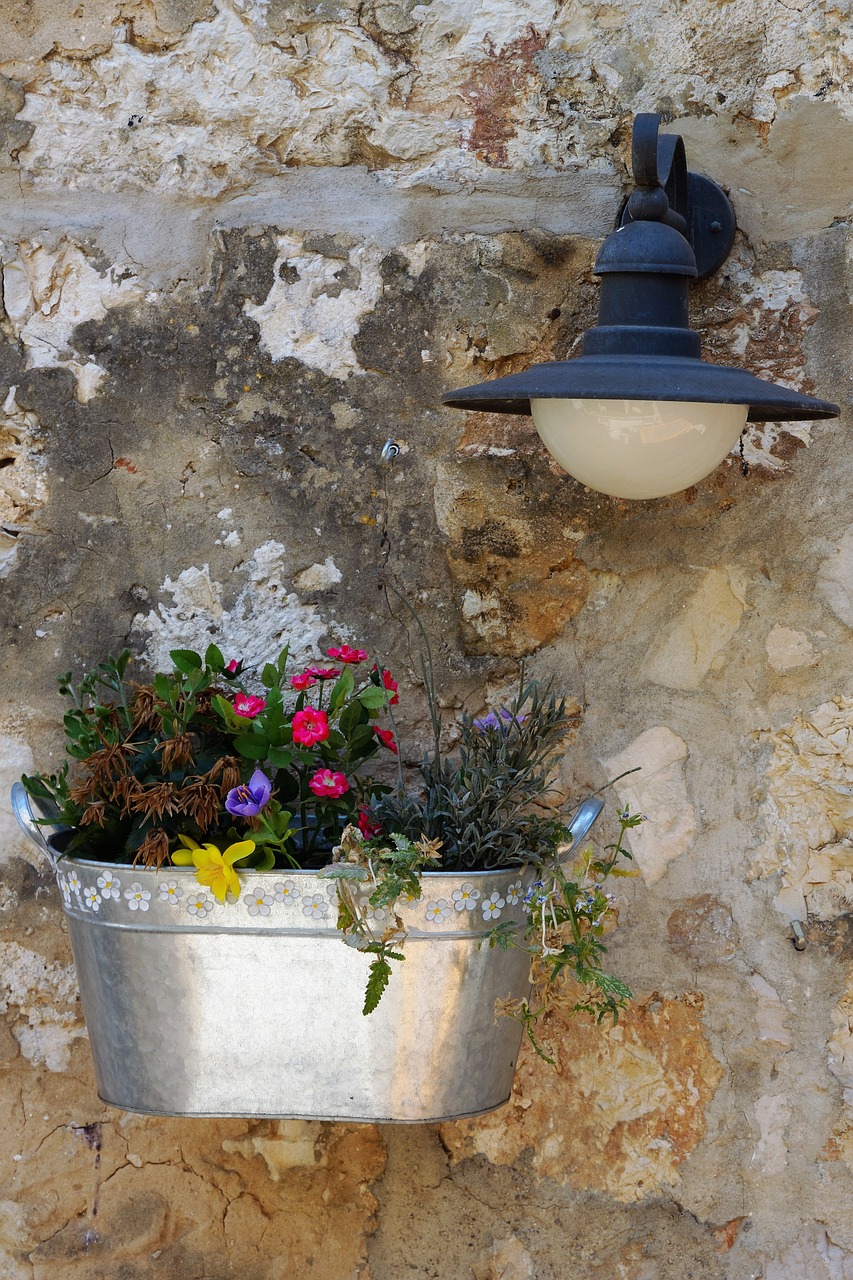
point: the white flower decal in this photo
(74, 882)
(438, 912)
(465, 899)
(92, 898)
(109, 885)
(410, 903)
(258, 902)
(513, 893)
(377, 914)
(137, 897)
(493, 906)
(170, 891)
(66, 892)
(285, 891)
(315, 906)
(199, 905)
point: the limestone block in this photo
(682, 655)
(835, 578)
(772, 1114)
(788, 649)
(812, 1254)
(702, 930)
(625, 1106)
(659, 792)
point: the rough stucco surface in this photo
(243, 243)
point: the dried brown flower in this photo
(201, 801)
(177, 752)
(154, 849)
(146, 708)
(155, 800)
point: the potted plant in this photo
(217, 839)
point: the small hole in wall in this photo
(6, 462)
(554, 314)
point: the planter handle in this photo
(32, 826)
(584, 818)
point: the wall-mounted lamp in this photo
(640, 414)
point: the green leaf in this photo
(213, 658)
(372, 698)
(342, 689)
(253, 746)
(380, 973)
(269, 676)
(229, 715)
(267, 862)
(185, 660)
(280, 758)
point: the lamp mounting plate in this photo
(659, 160)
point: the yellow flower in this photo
(214, 868)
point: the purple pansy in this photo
(250, 797)
(498, 720)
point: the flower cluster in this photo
(202, 769)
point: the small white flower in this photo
(258, 902)
(465, 899)
(285, 891)
(74, 882)
(438, 912)
(109, 885)
(513, 893)
(170, 891)
(315, 906)
(332, 890)
(92, 898)
(493, 906)
(410, 903)
(137, 897)
(66, 892)
(199, 905)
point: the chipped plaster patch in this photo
(48, 292)
(23, 486)
(808, 812)
(659, 792)
(310, 313)
(263, 618)
(33, 992)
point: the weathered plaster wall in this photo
(243, 243)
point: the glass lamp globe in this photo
(637, 448)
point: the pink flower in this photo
(366, 825)
(323, 673)
(233, 667)
(246, 704)
(347, 654)
(303, 681)
(390, 684)
(310, 726)
(386, 737)
(327, 783)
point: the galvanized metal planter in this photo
(253, 1007)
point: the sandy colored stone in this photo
(624, 1108)
(771, 1014)
(702, 930)
(681, 657)
(659, 792)
(788, 649)
(812, 1254)
(505, 1259)
(835, 578)
(772, 1115)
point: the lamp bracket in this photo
(667, 192)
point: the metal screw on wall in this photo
(390, 450)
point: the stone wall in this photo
(244, 242)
